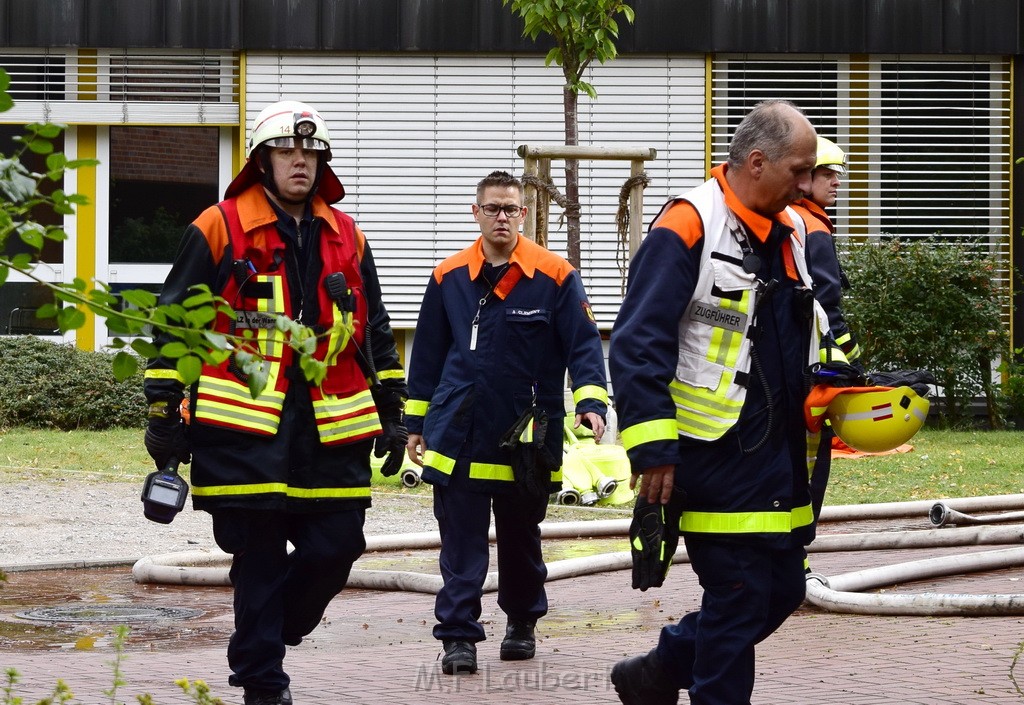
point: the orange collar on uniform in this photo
(525, 256)
(757, 223)
(817, 211)
(254, 210)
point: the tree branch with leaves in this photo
(134, 313)
(583, 31)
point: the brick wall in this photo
(165, 154)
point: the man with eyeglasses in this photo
(500, 324)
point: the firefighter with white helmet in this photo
(293, 464)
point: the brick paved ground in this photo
(375, 647)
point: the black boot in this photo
(254, 696)
(519, 643)
(459, 658)
(642, 681)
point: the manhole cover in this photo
(108, 613)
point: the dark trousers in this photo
(749, 591)
(463, 518)
(280, 597)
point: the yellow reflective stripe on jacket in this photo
(831, 353)
(590, 391)
(354, 426)
(164, 374)
(504, 473)
(490, 471)
(353, 416)
(725, 343)
(331, 405)
(328, 492)
(701, 413)
(281, 488)
(441, 463)
(477, 471)
(417, 407)
(648, 432)
(746, 522)
(391, 374)
(230, 402)
(271, 340)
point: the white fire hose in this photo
(836, 593)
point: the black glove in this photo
(532, 463)
(389, 395)
(838, 374)
(653, 539)
(166, 436)
(392, 444)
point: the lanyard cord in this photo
(499, 275)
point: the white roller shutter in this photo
(122, 87)
(412, 136)
(927, 138)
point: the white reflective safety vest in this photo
(714, 346)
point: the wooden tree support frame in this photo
(537, 163)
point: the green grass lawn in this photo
(942, 463)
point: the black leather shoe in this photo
(642, 681)
(459, 658)
(254, 696)
(519, 643)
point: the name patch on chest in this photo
(703, 312)
(254, 319)
(518, 314)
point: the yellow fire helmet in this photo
(874, 422)
(830, 156)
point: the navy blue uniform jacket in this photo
(533, 325)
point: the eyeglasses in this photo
(491, 210)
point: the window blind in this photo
(412, 136)
(122, 87)
(927, 140)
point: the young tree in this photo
(584, 31)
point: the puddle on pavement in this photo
(79, 609)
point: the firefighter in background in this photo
(708, 359)
(292, 465)
(501, 321)
(829, 281)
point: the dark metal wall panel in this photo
(969, 24)
(903, 26)
(55, 23)
(126, 23)
(826, 26)
(281, 24)
(359, 25)
(203, 24)
(499, 30)
(749, 26)
(663, 26)
(463, 26)
(429, 26)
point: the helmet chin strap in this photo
(271, 185)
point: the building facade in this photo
(424, 97)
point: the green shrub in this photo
(933, 306)
(49, 385)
